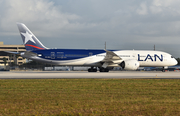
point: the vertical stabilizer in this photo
(29, 39)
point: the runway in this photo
(84, 74)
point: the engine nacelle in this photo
(130, 64)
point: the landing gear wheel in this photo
(92, 70)
(163, 69)
(106, 70)
(103, 70)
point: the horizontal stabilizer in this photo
(12, 52)
(28, 54)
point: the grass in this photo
(90, 97)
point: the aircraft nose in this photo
(175, 61)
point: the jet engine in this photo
(130, 64)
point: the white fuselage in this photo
(145, 59)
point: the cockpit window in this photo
(172, 57)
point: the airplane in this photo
(104, 60)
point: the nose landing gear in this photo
(163, 69)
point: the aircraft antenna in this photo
(105, 45)
(154, 47)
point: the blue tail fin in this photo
(29, 39)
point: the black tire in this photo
(101, 70)
(92, 70)
(104, 70)
(89, 70)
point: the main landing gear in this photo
(101, 69)
(92, 69)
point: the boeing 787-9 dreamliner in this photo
(96, 59)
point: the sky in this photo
(88, 24)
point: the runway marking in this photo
(83, 74)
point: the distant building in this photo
(11, 57)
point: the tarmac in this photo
(91, 75)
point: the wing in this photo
(111, 56)
(110, 59)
